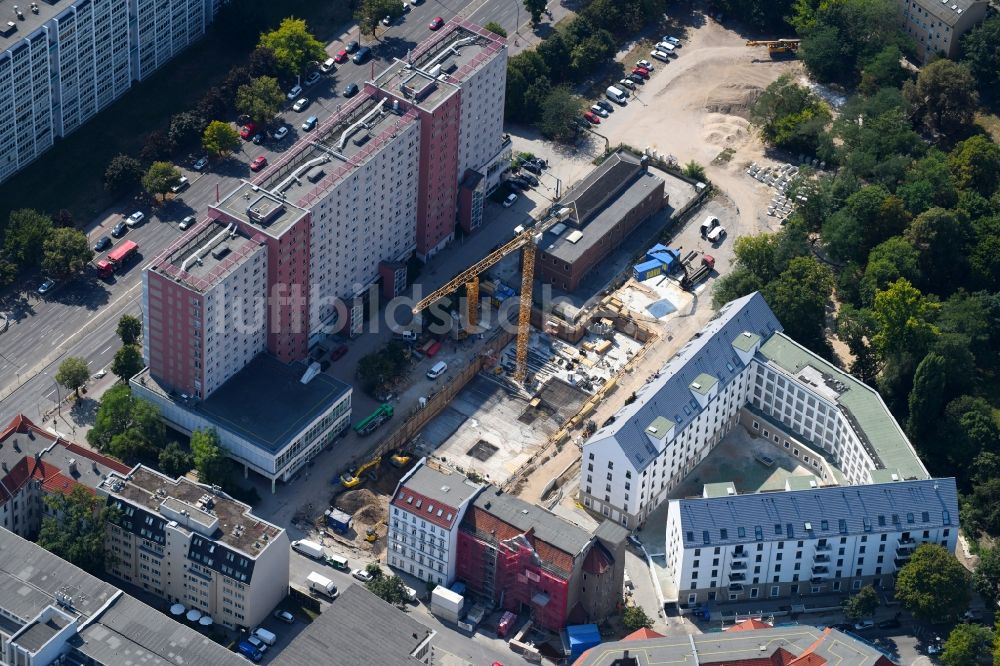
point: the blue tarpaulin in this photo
(582, 637)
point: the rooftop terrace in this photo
(210, 251)
(213, 515)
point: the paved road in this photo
(77, 319)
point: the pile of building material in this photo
(777, 177)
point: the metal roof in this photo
(828, 512)
(669, 394)
(862, 404)
(548, 527)
(451, 490)
(359, 628)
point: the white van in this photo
(667, 48)
(616, 94)
(716, 234)
(439, 369)
(265, 635)
(711, 222)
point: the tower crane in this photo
(526, 241)
(777, 47)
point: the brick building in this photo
(604, 208)
(526, 558)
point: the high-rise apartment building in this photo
(62, 61)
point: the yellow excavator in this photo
(777, 48)
(371, 535)
(351, 479)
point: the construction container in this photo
(447, 604)
(337, 520)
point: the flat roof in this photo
(120, 629)
(340, 144)
(359, 628)
(753, 646)
(876, 425)
(449, 489)
(229, 520)
(37, 634)
(264, 211)
(266, 404)
(434, 70)
(574, 241)
(31, 21)
(209, 251)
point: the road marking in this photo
(105, 351)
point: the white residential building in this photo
(63, 61)
(800, 542)
(191, 545)
(424, 520)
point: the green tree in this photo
(933, 585)
(535, 8)
(968, 431)
(128, 362)
(120, 412)
(942, 239)
(986, 577)
(975, 165)
(74, 526)
(174, 461)
(869, 216)
(856, 328)
(159, 178)
(903, 315)
(883, 71)
(371, 12)
(635, 618)
(981, 52)
(73, 373)
(122, 174)
(495, 28)
(220, 138)
(560, 110)
(944, 96)
(65, 251)
(261, 99)
(209, 458)
(25, 237)
(862, 604)
(798, 297)
(790, 116)
(967, 645)
(294, 47)
(849, 33)
(981, 510)
(528, 82)
(763, 15)
(887, 262)
(186, 127)
(129, 329)
(694, 170)
(928, 183)
(927, 397)
(388, 588)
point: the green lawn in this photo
(70, 174)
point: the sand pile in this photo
(363, 504)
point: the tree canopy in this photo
(74, 527)
(944, 97)
(73, 373)
(967, 645)
(25, 236)
(65, 251)
(208, 457)
(933, 585)
(160, 177)
(294, 47)
(220, 138)
(128, 362)
(790, 116)
(126, 427)
(123, 173)
(261, 99)
(861, 604)
(560, 110)
(129, 329)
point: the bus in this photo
(369, 424)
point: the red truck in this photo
(117, 258)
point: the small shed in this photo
(582, 637)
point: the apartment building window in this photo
(775, 590)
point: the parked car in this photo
(180, 185)
(591, 117)
(628, 83)
(362, 575)
(671, 40)
(309, 123)
(635, 78)
(362, 56)
(187, 222)
(606, 105)
(406, 7)
(300, 104)
(328, 65)
(540, 161)
(280, 133)
(341, 56)
(248, 131)
(891, 623)
(258, 138)
(530, 178)
(351, 90)
(436, 23)
(387, 21)
(510, 200)
(200, 163)
(294, 92)
(660, 55)
(135, 219)
(645, 64)
(531, 166)
(313, 79)
(862, 625)
(102, 244)
(641, 71)
(352, 46)
(257, 643)
(284, 616)
(46, 286)
(259, 163)
(119, 230)
(338, 352)
(250, 652)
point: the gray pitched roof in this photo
(450, 489)
(709, 352)
(359, 628)
(876, 508)
(548, 527)
(125, 631)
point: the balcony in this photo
(738, 566)
(819, 558)
(823, 547)
(737, 577)
(740, 554)
(819, 570)
(906, 547)
(735, 587)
